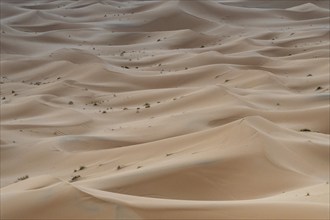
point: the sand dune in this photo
(165, 109)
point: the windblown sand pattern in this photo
(165, 109)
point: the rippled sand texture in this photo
(165, 109)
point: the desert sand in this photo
(165, 109)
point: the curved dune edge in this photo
(164, 109)
(72, 202)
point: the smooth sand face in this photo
(165, 109)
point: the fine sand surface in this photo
(165, 109)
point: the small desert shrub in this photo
(22, 178)
(75, 178)
(80, 168)
(305, 130)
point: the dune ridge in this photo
(165, 109)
